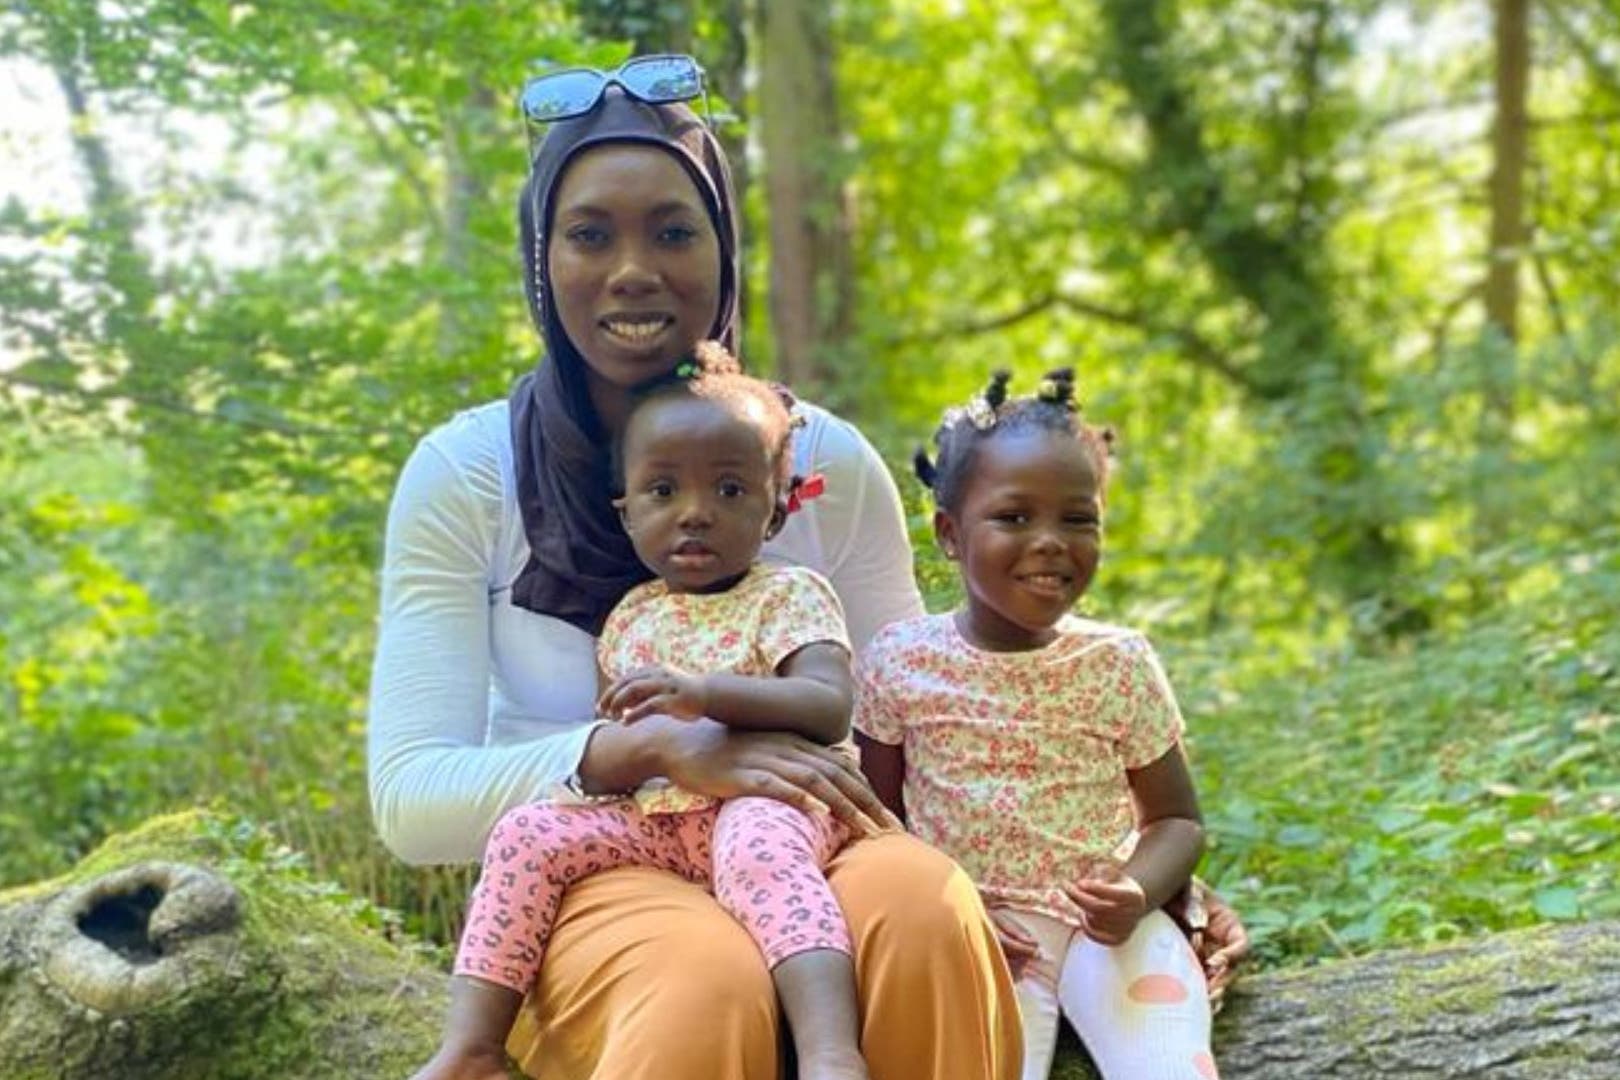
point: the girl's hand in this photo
(708, 758)
(654, 691)
(1112, 902)
(1016, 944)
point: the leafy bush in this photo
(1464, 782)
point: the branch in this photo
(1379, 123)
(1197, 348)
(1593, 119)
(280, 427)
(1605, 73)
(413, 179)
(1555, 306)
(1439, 336)
(974, 327)
(1310, 67)
(1086, 160)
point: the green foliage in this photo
(1461, 783)
(149, 666)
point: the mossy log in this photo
(192, 949)
(1529, 1005)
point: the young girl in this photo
(704, 464)
(1018, 738)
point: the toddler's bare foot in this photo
(465, 1064)
(833, 1065)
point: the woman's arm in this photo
(436, 787)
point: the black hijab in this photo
(580, 560)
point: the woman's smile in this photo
(637, 330)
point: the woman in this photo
(503, 557)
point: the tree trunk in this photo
(467, 124)
(811, 308)
(1493, 498)
(115, 225)
(728, 73)
(1509, 141)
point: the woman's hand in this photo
(710, 759)
(1221, 945)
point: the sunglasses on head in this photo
(656, 80)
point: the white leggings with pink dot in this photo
(1142, 1008)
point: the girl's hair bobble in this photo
(924, 468)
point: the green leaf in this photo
(1559, 903)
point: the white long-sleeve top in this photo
(477, 705)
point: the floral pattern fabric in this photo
(747, 630)
(1016, 762)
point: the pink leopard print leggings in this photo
(763, 858)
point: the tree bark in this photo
(1508, 237)
(810, 281)
(1509, 146)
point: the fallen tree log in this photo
(1541, 1004)
(189, 949)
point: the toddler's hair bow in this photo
(801, 489)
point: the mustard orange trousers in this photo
(647, 977)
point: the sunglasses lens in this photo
(663, 78)
(564, 94)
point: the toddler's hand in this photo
(1112, 902)
(654, 691)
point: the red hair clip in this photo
(801, 489)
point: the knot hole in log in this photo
(130, 939)
(122, 922)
